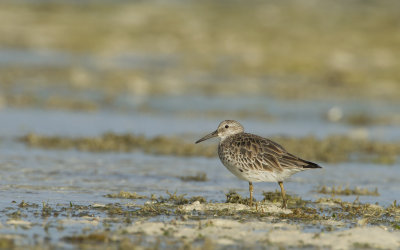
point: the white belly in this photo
(261, 175)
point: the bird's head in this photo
(224, 130)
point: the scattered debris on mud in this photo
(174, 220)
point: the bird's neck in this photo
(224, 138)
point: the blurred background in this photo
(320, 77)
(203, 60)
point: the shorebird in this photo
(254, 158)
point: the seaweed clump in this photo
(160, 145)
(6, 243)
(126, 195)
(332, 149)
(276, 197)
(90, 238)
(234, 197)
(198, 177)
(347, 191)
(179, 199)
(341, 148)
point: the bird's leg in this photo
(251, 193)
(283, 194)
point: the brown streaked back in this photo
(257, 153)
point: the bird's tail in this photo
(311, 164)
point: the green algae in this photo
(234, 197)
(179, 199)
(126, 195)
(347, 191)
(152, 210)
(340, 148)
(16, 215)
(24, 204)
(201, 177)
(271, 197)
(155, 206)
(276, 197)
(57, 102)
(361, 118)
(46, 210)
(332, 149)
(303, 214)
(6, 243)
(174, 198)
(200, 199)
(362, 214)
(93, 238)
(161, 145)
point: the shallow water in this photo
(63, 177)
(16, 122)
(16, 156)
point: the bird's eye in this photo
(226, 126)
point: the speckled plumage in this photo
(254, 158)
(257, 159)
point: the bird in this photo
(254, 158)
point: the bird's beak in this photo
(209, 136)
